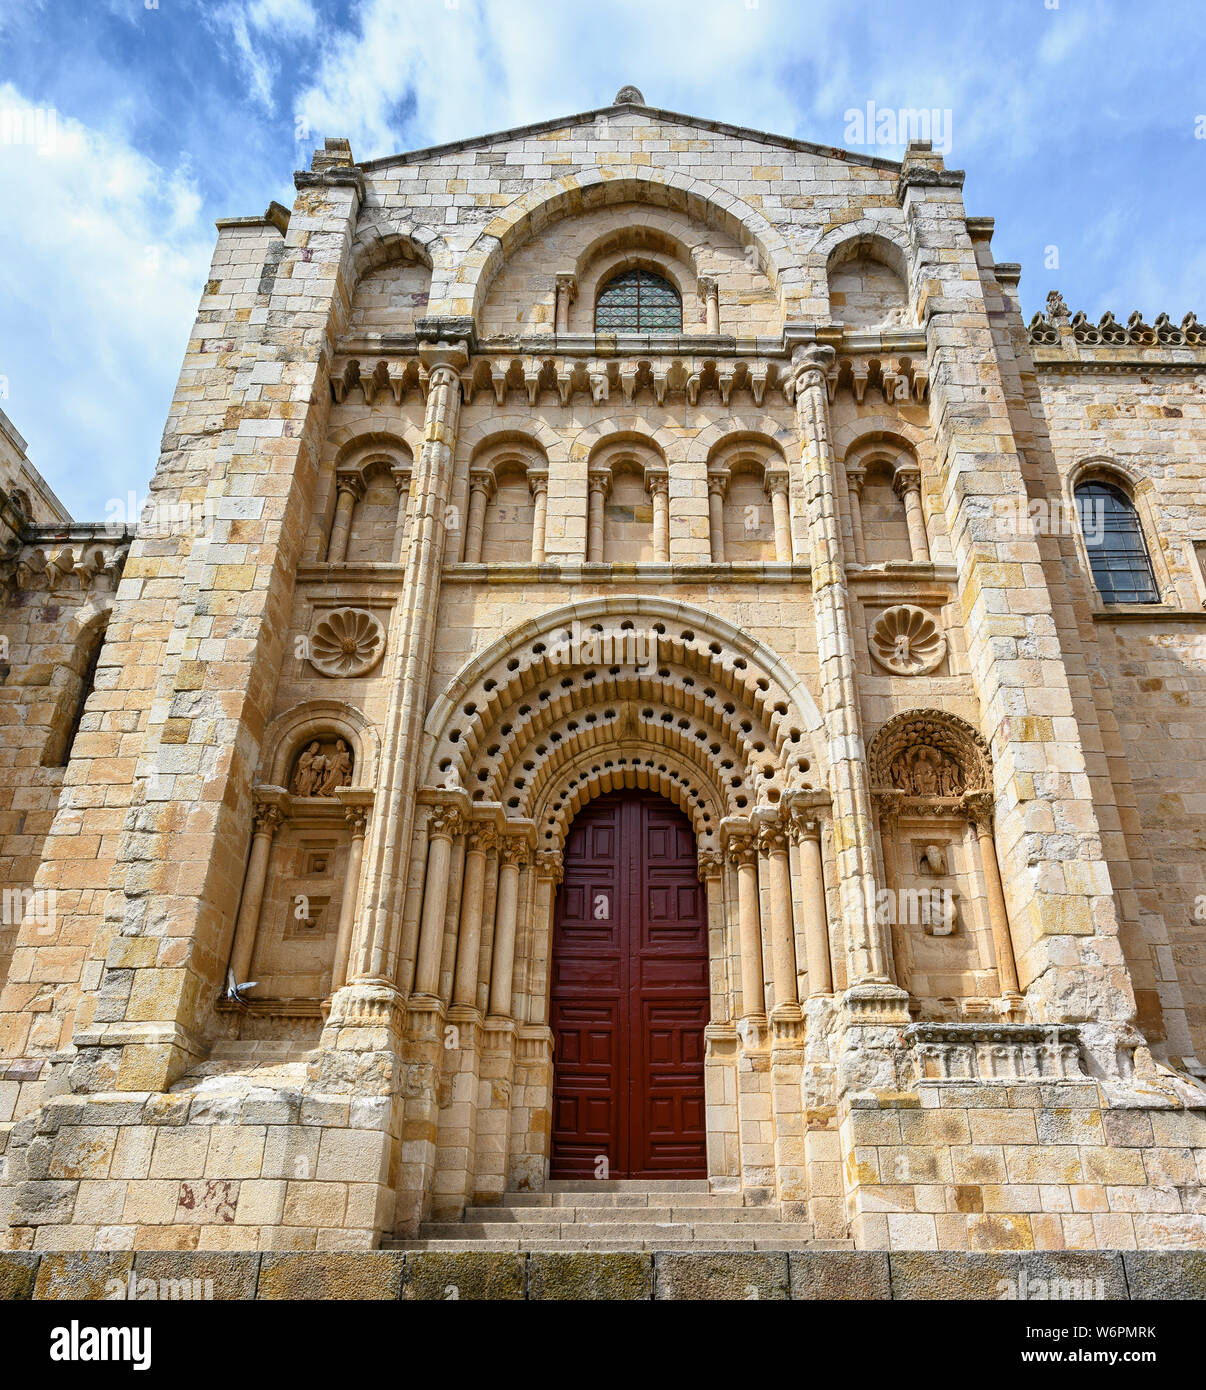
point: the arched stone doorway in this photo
(629, 995)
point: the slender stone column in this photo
(659, 486)
(549, 870)
(980, 812)
(709, 292)
(806, 831)
(717, 486)
(566, 292)
(401, 477)
(772, 841)
(776, 490)
(357, 818)
(469, 934)
(267, 818)
(743, 853)
(387, 850)
(350, 490)
(443, 827)
(907, 484)
(513, 853)
(600, 484)
(848, 772)
(711, 874)
(901, 968)
(539, 485)
(481, 489)
(855, 478)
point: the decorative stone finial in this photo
(629, 96)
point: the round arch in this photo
(592, 188)
(286, 734)
(726, 722)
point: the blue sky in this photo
(1081, 124)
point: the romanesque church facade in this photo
(639, 667)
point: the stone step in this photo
(581, 1230)
(629, 1185)
(701, 1246)
(515, 1200)
(503, 1216)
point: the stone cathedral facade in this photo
(638, 665)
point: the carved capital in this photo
(481, 839)
(350, 482)
(980, 808)
(267, 816)
(772, 837)
(657, 483)
(809, 367)
(718, 484)
(357, 819)
(537, 482)
(446, 821)
(444, 362)
(775, 482)
(483, 480)
(711, 863)
(548, 864)
(513, 851)
(906, 480)
(742, 850)
(600, 482)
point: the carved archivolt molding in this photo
(929, 754)
(347, 642)
(907, 640)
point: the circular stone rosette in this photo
(907, 641)
(347, 642)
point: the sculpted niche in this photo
(322, 766)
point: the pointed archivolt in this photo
(621, 692)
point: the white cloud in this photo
(111, 256)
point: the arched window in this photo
(1122, 568)
(637, 301)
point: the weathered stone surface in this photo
(733, 1276)
(71, 1275)
(1179, 1274)
(840, 1274)
(368, 1274)
(18, 1273)
(472, 1274)
(223, 1274)
(927, 1274)
(572, 1274)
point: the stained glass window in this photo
(1122, 568)
(637, 301)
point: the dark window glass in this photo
(1122, 569)
(638, 302)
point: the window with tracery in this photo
(637, 301)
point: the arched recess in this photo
(746, 468)
(866, 274)
(365, 517)
(717, 721)
(506, 499)
(319, 719)
(952, 738)
(592, 189)
(880, 465)
(390, 277)
(75, 680)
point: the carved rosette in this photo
(347, 642)
(907, 640)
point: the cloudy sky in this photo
(128, 126)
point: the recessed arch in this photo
(596, 188)
(634, 677)
(286, 734)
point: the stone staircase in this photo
(620, 1215)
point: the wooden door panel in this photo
(629, 994)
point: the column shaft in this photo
(998, 917)
(266, 821)
(661, 520)
(753, 986)
(716, 520)
(783, 946)
(594, 542)
(341, 527)
(469, 934)
(475, 526)
(816, 920)
(347, 903)
(435, 904)
(504, 934)
(540, 509)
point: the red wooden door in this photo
(629, 994)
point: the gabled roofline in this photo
(624, 108)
